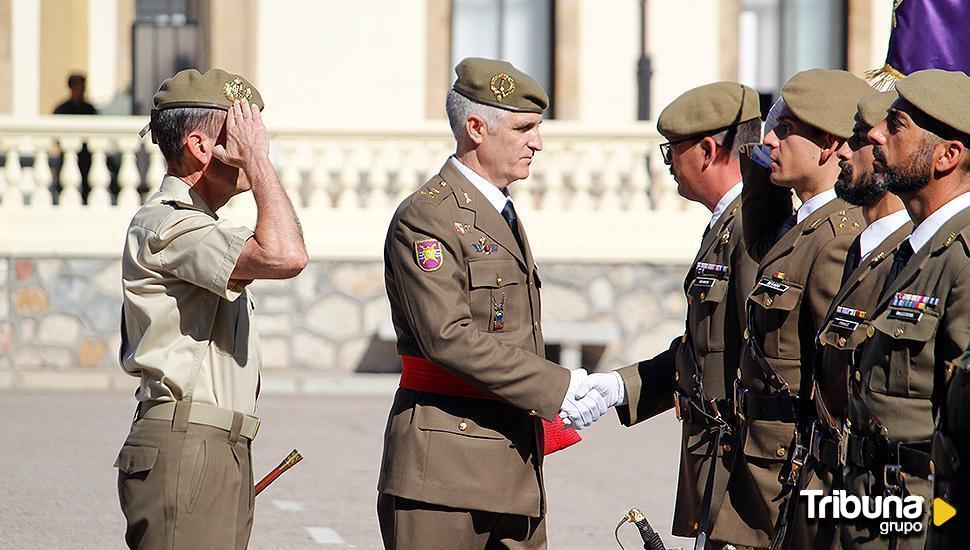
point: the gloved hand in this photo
(579, 413)
(608, 384)
(762, 153)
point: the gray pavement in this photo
(57, 485)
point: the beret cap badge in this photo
(235, 89)
(502, 85)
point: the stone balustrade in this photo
(595, 194)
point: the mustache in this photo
(879, 154)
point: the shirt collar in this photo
(877, 231)
(494, 195)
(726, 200)
(925, 231)
(177, 189)
(813, 204)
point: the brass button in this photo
(533, 412)
(781, 452)
(858, 376)
(676, 377)
(746, 334)
(898, 332)
(842, 341)
(530, 283)
(462, 426)
(870, 331)
(683, 339)
(693, 525)
(855, 224)
(703, 295)
(535, 324)
(498, 280)
(769, 300)
(726, 447)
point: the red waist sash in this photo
(419, 374)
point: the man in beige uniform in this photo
(846, 323)
(705, 126)
(185, 474)
(463, 447)
(799, 273)
(921, 323)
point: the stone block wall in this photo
(61, 316)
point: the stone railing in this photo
(596, 194)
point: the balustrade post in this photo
(128, 176)
(70, 176)
(638, 182)
(98, 175)
(13, 195)
(319, 198)
(42, 195)
(349, 181)
(156, 169)
(376, 178)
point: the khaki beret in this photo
(872, 109)
(216, 89)
(943, 95)
(826, 99)
(707, 108)
(499, 84)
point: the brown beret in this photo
(499, 84)
(707, 108)
(872, 109)
(826, 99)
(216, 89)
(943, 95)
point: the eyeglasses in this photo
(666, 149)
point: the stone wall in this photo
(59, 317)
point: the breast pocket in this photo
(494, 294)
(900, 374)
(705, 295)
(775, 314)
(234, 331)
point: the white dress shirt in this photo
(492, 193)
(813, 204)
(879, 230)
(925, 231)
(722, 204)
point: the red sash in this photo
(419, 374)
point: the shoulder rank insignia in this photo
(428, 254)
(726, 236)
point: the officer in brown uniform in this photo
(798, 276)
(185, 471)
(846, 323)
(921, 323)
(463, 447)
(705, 127)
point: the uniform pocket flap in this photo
(707, 289)
(920, 330)
(768, 439)
(433, 419)
(786, 300)
(132, 459)
(493, 273)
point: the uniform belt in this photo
(420, 374)
(706, 413)
(825, 446)
(878, 455)
(755, 406)
(206, 415)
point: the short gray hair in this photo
(459, 108)
(172, 125)
(741, 134)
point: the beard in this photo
(909, 176)
(865, 192)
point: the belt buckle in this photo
(813, 447)
(891, 477)
(677, 410)
(739, 392)
(259, 422)
(797, 461)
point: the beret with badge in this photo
(709, 108)
(189, 88)
(940, 94)
(499, 84)
(826, 99)
(872, 109)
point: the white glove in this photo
(608, 384)
(579, 413)
(762, 153)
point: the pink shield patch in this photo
(428, 254)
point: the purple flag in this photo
(927, 34)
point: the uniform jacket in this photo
(451, 262)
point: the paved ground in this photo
(58, 486)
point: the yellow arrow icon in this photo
(942, 512)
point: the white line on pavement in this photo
(288, 505)
(324, 535)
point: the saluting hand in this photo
(246, 136)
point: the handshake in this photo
(589, 397)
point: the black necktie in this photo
(785, 227)
(852, 258)
(902, 255)
(510, 218)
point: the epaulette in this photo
(183, 205)
(434, 191)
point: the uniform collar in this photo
(725, 201)
(925, 231)
(494, 195)
(879, 230)
(175, 188)
(813, 204)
